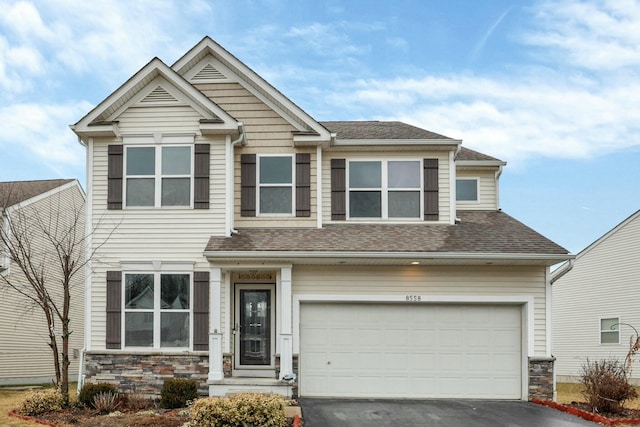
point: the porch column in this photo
(215, 327)
(286, 336)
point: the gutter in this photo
(562, 270)
(425, 256)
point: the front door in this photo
(254, 327)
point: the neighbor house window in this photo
(275, 185)
(610, 330)
(467, 190)
(158, 176)
(157, 310)
(385, 189)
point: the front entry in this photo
(254, 330)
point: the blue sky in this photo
(551, 87)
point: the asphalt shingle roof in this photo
(379, 130)
(477, 232)
(14, 192)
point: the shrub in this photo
(238, 410)
(606, 385)
(134, 401)
(105, 402)
(176, 392)
(38, 402)
(89, 391)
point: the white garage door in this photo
(410, 351)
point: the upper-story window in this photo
(384, 189)
(275, 185)
(467, 189)
(158, 176)
(157, 309)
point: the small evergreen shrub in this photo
(38, 402)
(606, 385)
(176, 392)
(239, 410)
(105, 402)
(90, 390)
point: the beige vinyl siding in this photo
(487, 190)
(166, 119)
(481, 281)
(362, 153)
(267, 133)
(25, 356)
(602, 284)
(151, 234)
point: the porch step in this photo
(236, 385)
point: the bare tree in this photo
(47, 245)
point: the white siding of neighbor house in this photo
(364, 153)
(25, 357)
(151, 234)
(431, 281)
(267, 133)
(604, 283)
(487, 190)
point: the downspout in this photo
(231, 176)
(497, 178)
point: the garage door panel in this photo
(410, 351)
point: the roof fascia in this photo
(608, 234)
(255, 84)
(546, 259)
(455, 143)
(482, 163)
(86, 127)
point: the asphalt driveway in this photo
(433, 413)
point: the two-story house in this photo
(256, 248)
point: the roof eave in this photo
(395, 142)
(476, 163)
(423, 258)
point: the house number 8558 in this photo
(413, 298)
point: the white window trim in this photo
(157, 311)
(384, 190)
(259, 186)
(158, 141)
(469, 178)
(600, 330)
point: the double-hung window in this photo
(467, 189)
(158, 176)
(157, 310)
(386, 189)
(275, 185)
(610, 330)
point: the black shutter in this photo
(201, 311)
(338, 189)
(201, 177)
(114, 309)
(303, 184)
(431, 202)
(114, 177)
(248, 185)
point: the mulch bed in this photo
(579, 409)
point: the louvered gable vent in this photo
(208, 72)
(159, 95)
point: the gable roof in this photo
(14, 192)
(479, 236)
(100, 121)
(310, 131)
(380, 130)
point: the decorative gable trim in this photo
(208, 73)
(159, 96)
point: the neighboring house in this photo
(25, 357)
(342, 259)
(595, 302)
